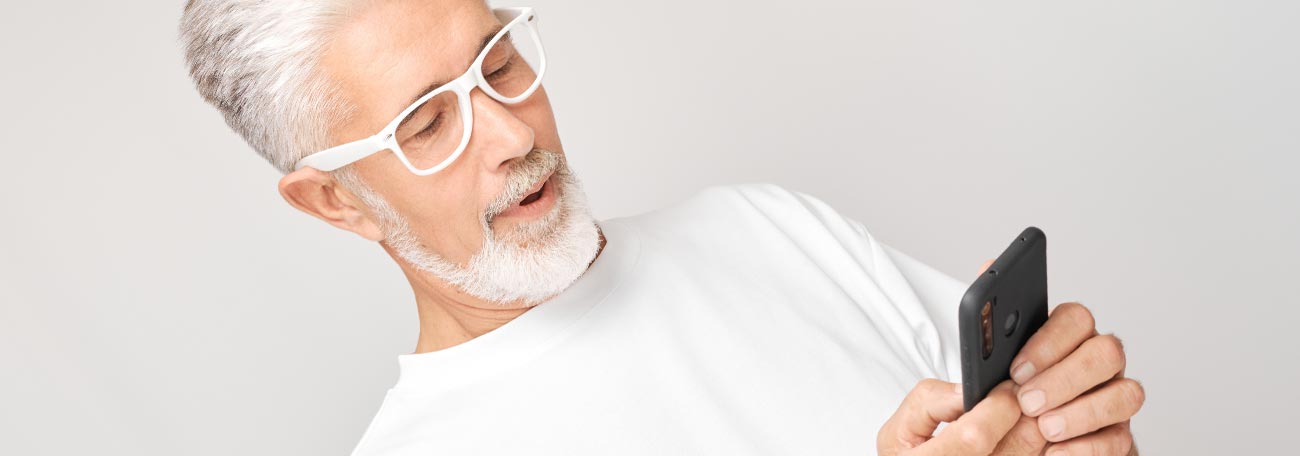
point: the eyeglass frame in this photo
(345, 154)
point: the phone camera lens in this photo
(1013, 320)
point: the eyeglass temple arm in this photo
(342, 155)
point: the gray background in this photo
(158, 297)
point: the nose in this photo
(498, 135)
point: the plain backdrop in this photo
(158, 297)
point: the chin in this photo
(527, 256)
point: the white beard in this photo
(532, 263)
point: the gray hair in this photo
(257, 62)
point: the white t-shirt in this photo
(747, 320)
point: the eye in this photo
(501, 58)
(502, 70)
(430, 129)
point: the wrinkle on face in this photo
(379, 57)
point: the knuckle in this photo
(1109, 351)
(925, 392)
(1026, 435)
(1099, 412)
(976, 439)
(1132, 393)
(1116, 441)
(1125, 441)
(925, 389)
(1078, 314)
(1103, 446)
(927, 384)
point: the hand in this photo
(1072, 382)
(1069, 387)
(910, 431)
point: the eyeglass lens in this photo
(433, 130)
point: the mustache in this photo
(538, 163)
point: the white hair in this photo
(257, 62)
(528, 264)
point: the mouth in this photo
(536, 201)
(534, 196)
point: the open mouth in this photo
(539, 200)
(534, 196)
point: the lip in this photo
(536, 208)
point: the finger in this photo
(984, 267)
(979, 430)
(1115, 439)
(1092, 364)
(1068, 326)
(1113, 403)
(929, 403)
(1023, 438)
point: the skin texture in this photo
(384, 54)
(1067, 396)
(387, 52)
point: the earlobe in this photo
(319, 195)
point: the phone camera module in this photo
(986, 326)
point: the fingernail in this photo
(1057, 453)
(1023, 372)
(1032, 400)
(957, 389)
(1052, 426)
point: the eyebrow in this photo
(482, 45)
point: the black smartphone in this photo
(1001, 309)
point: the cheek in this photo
(443, 214)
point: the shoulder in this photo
(755, 219)
(761, 196)
(751, 205)
(797, 214)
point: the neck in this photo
(449, 317)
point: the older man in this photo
(746, 320)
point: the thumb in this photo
(928, 404)
(984, 267)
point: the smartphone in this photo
(1001, 309)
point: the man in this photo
(746, 320)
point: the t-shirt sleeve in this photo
(917, 301)
(940, 294)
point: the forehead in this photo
(385, 52)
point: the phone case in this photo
(1015, 289)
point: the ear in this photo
(317, 193)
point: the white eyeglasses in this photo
(430, 133)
